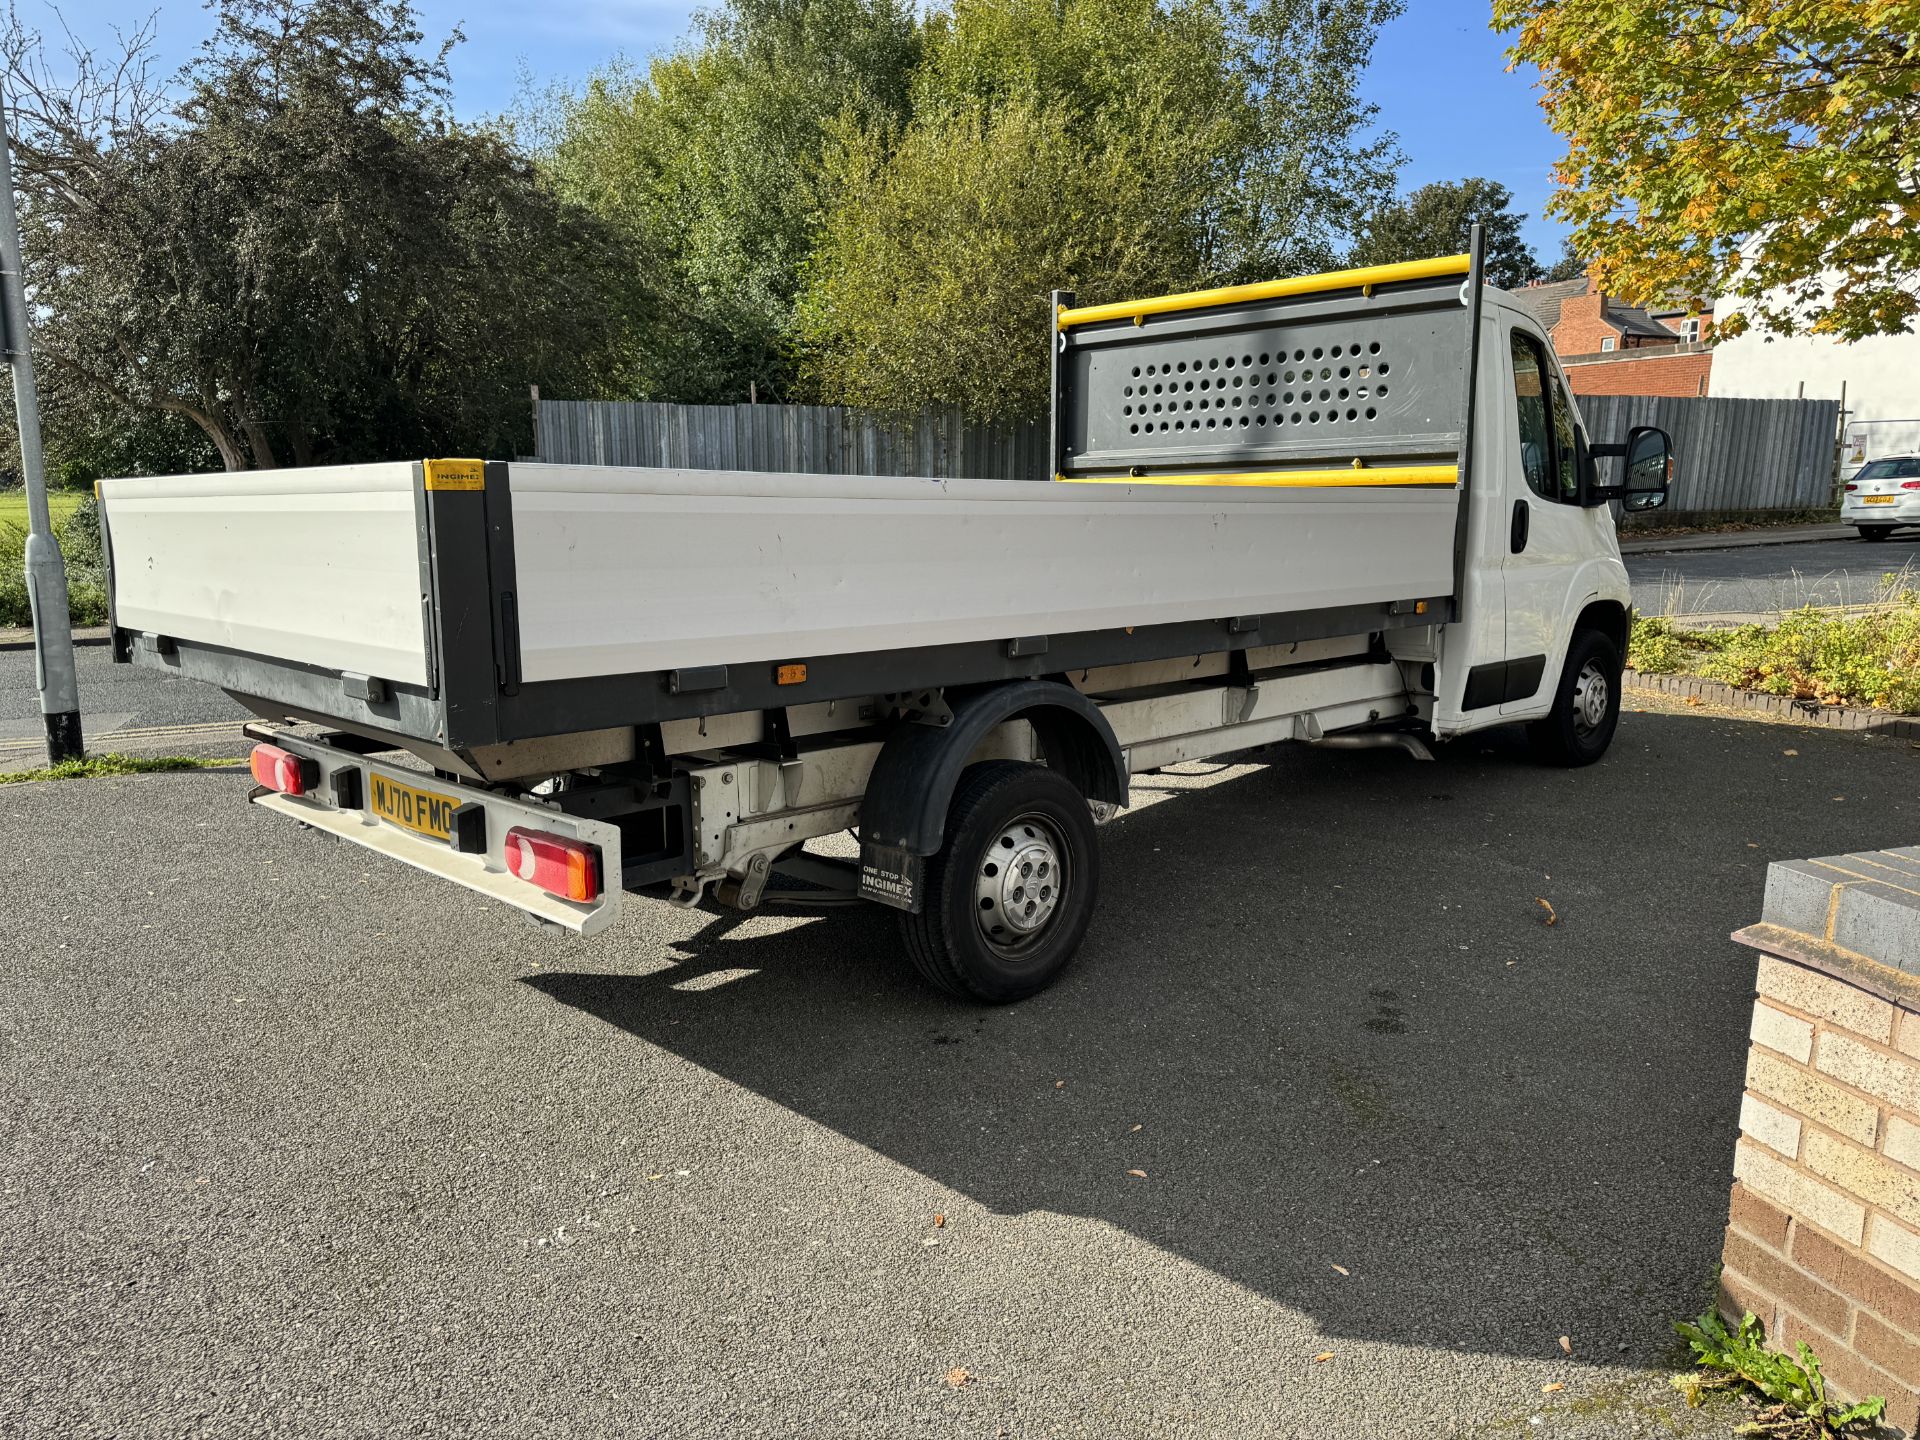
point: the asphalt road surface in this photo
(1764, 579)
(299, 1143)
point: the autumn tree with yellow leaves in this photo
(1762, 150)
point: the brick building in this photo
(1609, 348)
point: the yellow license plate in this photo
(421, 811)
(1878, 499)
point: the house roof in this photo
(1634, 321)
(1543, 301)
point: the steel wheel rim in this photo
(1591, 693)
(1020, 884)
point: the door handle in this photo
(1517, 539)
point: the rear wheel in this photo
(1875, 532)
(1586, 704)
(1009, 896)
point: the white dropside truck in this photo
(1356, 508)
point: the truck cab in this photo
(1544, 564)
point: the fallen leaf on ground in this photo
(1059, 1084)
(1341, 1268)
(958, 1376)
(1135, 1129)
(1789, 752)
(939, 1221)
(1550, 1389)
(1552, 919)
(1323, 1357)
(1138, 1174)
(1566, 1344)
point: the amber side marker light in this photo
(795, 674)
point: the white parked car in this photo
(1883, 495)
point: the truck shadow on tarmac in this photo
(1322, 1009)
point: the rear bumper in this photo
(344, 776)
(1904, 512)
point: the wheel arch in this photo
(1609, 617)
(912, 784)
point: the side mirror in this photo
(1648, 463)
(1649, 469)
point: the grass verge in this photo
(111, 763)
(13, 505)
(1868, 658)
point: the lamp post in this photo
(46, 569)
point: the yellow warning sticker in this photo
(456, 475)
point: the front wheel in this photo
(1010, 894)
(1875, 532)
(1586, 704)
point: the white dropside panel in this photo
(626, 569)
(319, 566)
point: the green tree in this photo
(1110, 147)
(709, 161)
(1436, 220)
(930, 284)
(1570, 266)
(1760, 151)
(1315, 162)
(301, 254)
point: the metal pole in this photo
(46, 569)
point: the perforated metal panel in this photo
(1324, 379)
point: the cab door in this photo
(1547, 527)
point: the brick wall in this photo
(1678, 370)
(1583, 325)
(1823, 1233)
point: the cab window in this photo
(1565, 452)
(1547, 451)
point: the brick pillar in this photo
(1823, 1233)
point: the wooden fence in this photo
(806, 439)
(1729, 455)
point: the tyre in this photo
(1008, 898)
(1875, 532)
(1586, 704)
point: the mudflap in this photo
(891, 876)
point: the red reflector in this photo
(282, 770)
(559, 866)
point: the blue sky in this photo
(1438, 75)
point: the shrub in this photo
(1871, 658)
(1654, 648)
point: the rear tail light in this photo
(1910, 484)
(282, 770)
(559, 866)
(1852, 487)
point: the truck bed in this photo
(1273, 468)
(626, 570)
